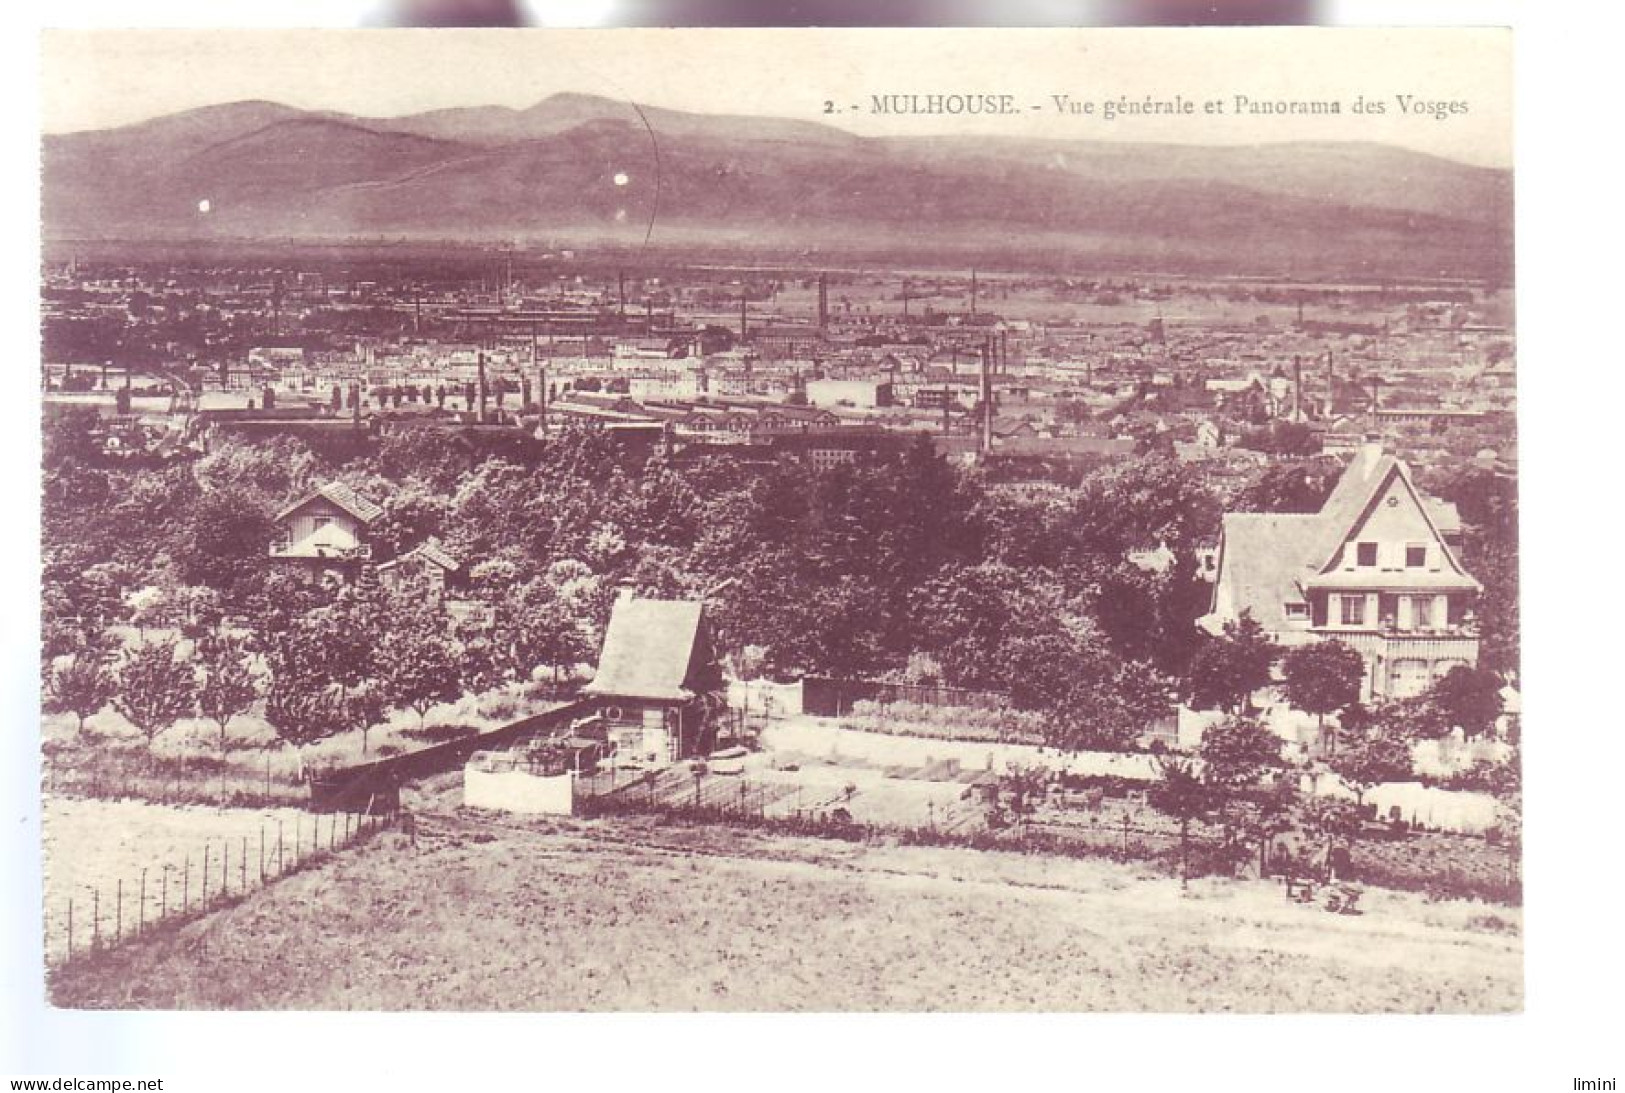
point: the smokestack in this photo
(481, 418)
(823, 302)
(986, 444)
(742, 305)
(417, 311)
(973, 292)
(621, 279)
(541, 396)
(1297, 388)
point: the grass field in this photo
(487, 914)
(143, 861)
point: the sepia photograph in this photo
(813, 521)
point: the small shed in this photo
(658, 681)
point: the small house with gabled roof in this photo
(326, 530)
(1376, 568)
(658, 682)
(428, 567)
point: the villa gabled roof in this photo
(361, 507)
(1271, 559)
(1352, 500)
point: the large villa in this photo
(1375, 568)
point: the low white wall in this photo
(821, 738)
(1442, 809)
(517, 791)
(825, 739)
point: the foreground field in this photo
(128, 863)
(570, 915)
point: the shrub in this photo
(433, 734)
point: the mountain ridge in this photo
(580, 166)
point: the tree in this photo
(302, 709)
(227, 685)
(1236, 754)
(1468, 698)
(1226, 670)
(418, 665)
(154, 689)
(1323, 677)
(1377, 753)
(1180, 792)
(80, 686)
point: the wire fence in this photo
(95, 917)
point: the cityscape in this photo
(614, 615)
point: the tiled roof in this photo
(362, 508)
(647, 650)
(1266, 554)
(431, 550)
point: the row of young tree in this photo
(312, 667)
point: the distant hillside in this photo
(578, 169)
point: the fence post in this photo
(279, 848)
(333, 831)
(262, 853)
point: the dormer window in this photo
(1365, 554)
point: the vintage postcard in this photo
(780, 520)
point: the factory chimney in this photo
(541, 396)
(973, 292)
(621, 280)
(986, 442)
(743, 303)
(823, 302)
(1297, 388)
(481, 418)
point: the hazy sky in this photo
(94, 79)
